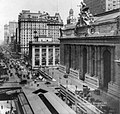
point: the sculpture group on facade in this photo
(85, 17)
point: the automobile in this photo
(23, 82)
(47, 82)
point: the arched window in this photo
(106, 67)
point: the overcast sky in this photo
(9, 9)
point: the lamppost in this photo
(66, 76)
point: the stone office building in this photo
(90, 51)
(100, 6)
(36, 24)
(44, 53)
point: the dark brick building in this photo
(96, 6)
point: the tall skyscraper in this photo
(12, 31)
(6, 34)
(38, 24)
(112, 4)
(96, 6)
(100, 6)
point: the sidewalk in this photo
(73, 81)
(58, 76)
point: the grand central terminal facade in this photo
(91, 52)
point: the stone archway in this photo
(106, 68)
(84, 63)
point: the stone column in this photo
(102, 66)
(112, 65)
(71, 56)
(40, 55)
(81, 54)
(95, 61)
(33, 56)
(88, 59)
(53, 55)
(99, 65)
(64, 54)
(47, 54)
(67, 60)
(77, 56)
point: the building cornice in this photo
(99, 40)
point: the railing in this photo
(74, 73)
(93, 81)
(62, 68)
(27, 109)
(45, 75)
(88, 107)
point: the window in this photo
(50, 57)
(57, 56)
(36, 57)
(43, 56)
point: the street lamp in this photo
(66, 76)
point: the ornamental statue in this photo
(85, 17)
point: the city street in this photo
(58, 79)
(60, 57)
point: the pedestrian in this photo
(10, 74)
(1, 106)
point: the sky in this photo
(10, 9)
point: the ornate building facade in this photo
(6, 34)
(44, 53)
(90, 51)
(37, 24)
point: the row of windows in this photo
(33, 27)
(30, 24)
(50, 57)
(42, 33)
(38, 31)
(40, 25)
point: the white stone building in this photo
(44, 53)
(37, 24)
